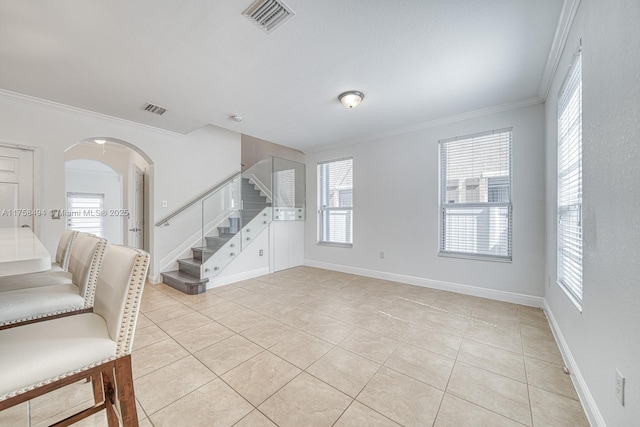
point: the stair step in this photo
(203, 253)
(187, 283)
(190, 266)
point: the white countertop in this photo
(21, 252)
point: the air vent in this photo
(268, 14)
(155, 109)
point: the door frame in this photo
(37, 167)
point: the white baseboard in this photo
(214, 282)
(154, 280)
(475, 291)
(588, 402)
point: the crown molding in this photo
(567, 15)
(432, 123)
(64, 107)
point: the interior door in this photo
(136, 231)
(16, 187)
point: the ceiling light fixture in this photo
(351, 99)
(100, 141)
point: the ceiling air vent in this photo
(268, 14)
(155, 109)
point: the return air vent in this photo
(268, 14)
(155, 109)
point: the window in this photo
(335, 202)
(569, 255)
(85, 213)
(475, 195)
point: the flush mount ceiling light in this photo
(100, 141)
(351, 99)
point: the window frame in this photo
(574, 291)
(443, 205)
(96, 213)
(323, 232)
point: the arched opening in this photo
(94, 167)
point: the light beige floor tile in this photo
(499, 394)
(221, 310)
(404, 400)
(301, 349)
(344, 370)
(455, 412)
(255, 419)
(423, 365)
(15, 416)
(549, 377)
(204, 336)
(493, 359)
(60, 403)
(492, 335)
(267, 333)
(149, 305)
(260, 377)
(241, 320)
(542, 332)
(542, 349)
(143, 322)
(95, 420)
(202, 301)
(446, 322)
(328, 329)
(212, 405)
(167, 313)
(305, 401)
(147, 336)
(145, 423)
(155, 356)
(385, 324)
(185, 323)
(359, 415)
(235, 293)
(550, 409)
(507, 323)
(228, 354)
(370, 345)
(168, 384)
(252, 300)
(431, 339)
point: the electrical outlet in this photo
(261, 252)
(620, 387)
(382, 254)
(164, 204)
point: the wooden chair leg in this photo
(98, 393)
(109, 397)
(126, 396)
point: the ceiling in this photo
(417, 61)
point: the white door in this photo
(16, 187)
(136, 230)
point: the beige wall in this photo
(255, 149)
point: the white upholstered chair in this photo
(40, 357)
(35, 296)
(55, 276)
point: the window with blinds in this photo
(335, 202)
(475, 195)
(569, 255)
(85, 213)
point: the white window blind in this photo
(85, 213)
(475, 195)
(569, 255)
(335, 202)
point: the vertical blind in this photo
(335, 201)
(85, 213)
(475, 195)
(569, 255)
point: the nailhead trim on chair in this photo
(67, 254)
(134, 295)
(96, 264)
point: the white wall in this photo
(395, 210)
(89, 176)
(183, 165)
(606, 335)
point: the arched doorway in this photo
(135, 171)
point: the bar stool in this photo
(63, 294)
(41, 357)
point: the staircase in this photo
(192, 276)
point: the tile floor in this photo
(310, 347)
